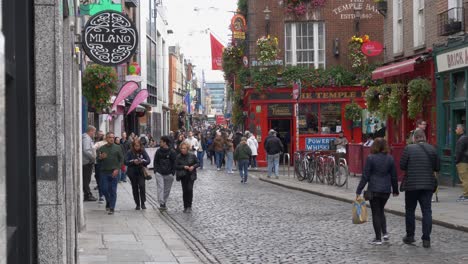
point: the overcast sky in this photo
(192, 20)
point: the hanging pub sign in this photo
(110, 38)
(372, 48)
(238, 26)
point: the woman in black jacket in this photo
(380, 173)
(186, 165)
(136, 159)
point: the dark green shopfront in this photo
(451, 79)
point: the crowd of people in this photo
(179, 154)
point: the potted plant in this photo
(353, 113)
(99, 84)
(267, 49)
(418, 91)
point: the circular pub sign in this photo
(110, 38)
(372, 48)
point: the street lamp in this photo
(267, 13)
(357, 16)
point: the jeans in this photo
(219, 156)
(200, 155)
(424, 197)
(187, 191)
(109, 187)
(87, 171)
(273, 164)
(98, 178)
(123, 175)
(138, 188)
(164, 184)
(229, 161)
(243, 169)
(378, 215)
(253, 161)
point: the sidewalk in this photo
(447, 212)
(129, 236)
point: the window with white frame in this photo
(305, 44)
(418, 22)
(398, 26)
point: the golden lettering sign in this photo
(329, 95)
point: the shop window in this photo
(308, 119)
(459, 84)
(330, 118)
(446, 78)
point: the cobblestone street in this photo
(262, 223)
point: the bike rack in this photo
(286, 155)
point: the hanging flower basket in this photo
(99, 84)
(267, 49)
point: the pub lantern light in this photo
(336, 47)
(357, 16)
(267, 13)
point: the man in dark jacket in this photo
(419, 160)
(164, 161)
(273, 148)
(461, 160)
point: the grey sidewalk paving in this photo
(447, 212)
(129, 236)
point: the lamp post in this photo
(357, 16)
(267, 13)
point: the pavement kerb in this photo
(348, 200)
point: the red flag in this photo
(216, 53)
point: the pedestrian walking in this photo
(122, 169)
(242, 156)
(202, 146)
(193, 143)
(125, 145)
(100, 141)
(186, 172)
(210, 154)
(218, 145)
(89, 158)
(420, 124)
(136, 160)
(164, 162)
(461, 159)
(180, 139)
(111, 158)
(380, 175)
(420, 161)
(273, 148)
(253, 145)
(229, 151)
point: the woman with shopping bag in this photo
(380, 175)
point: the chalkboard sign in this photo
(110, 38)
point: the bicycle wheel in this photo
(341, 175)
(319, 169)
(330, 175)
(298, 167)
(311, 171)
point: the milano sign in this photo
(110, 38)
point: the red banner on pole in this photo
(216, 53)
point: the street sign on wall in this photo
(110, 38)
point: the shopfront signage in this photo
(330, 95)
(346, 11)
(372, 48)
(110, 38)
(238, 26)
(452, 60)
(318, 143)
(280, 110)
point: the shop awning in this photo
(394, 69)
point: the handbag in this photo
(146, 174)
(180, 174)
(403, 183)
(368, 195)
(359, 211)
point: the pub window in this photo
(308, 119)
(330, 118)
(305, 44)
(459, 84)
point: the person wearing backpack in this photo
(164, 161)
(242, 156)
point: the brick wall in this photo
(336, 14)
(432, 8)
